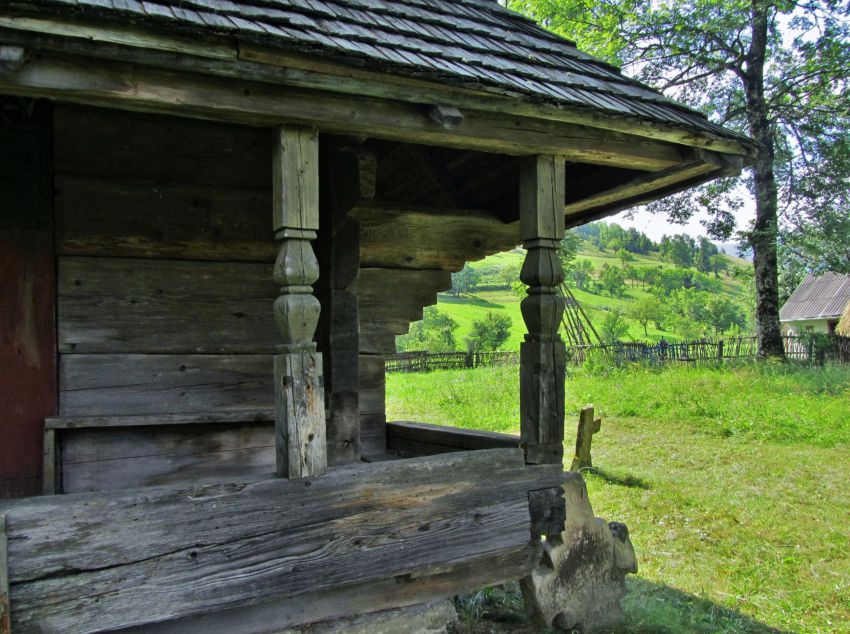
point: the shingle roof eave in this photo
(473, 43)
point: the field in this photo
(733, 484)
(465, 309)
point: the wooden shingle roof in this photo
(823, 296)
(470, 43)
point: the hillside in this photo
(494, 295)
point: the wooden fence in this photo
(426, 361)
(831, 349)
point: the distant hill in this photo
(731, 248)
(494, 295)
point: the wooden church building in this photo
(215, 217)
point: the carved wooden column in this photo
(301, 448)
(542, 354)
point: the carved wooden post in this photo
(542, 354)
(301, 447)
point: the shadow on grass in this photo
(630, 481)
(650, 608)
(653, 608)
(470, 300)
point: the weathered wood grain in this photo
(542, 353)
(300, 436)
(121, 458)
(84, 80)
(125, 145)
(392, 298)
(126, 217)
(428, 238)
(157, 554)
(111, 305)
(372, 382)
(360, 598)
(154, 420)
(420, 439)
(130, 384)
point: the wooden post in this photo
(300, 442)
(542, 354)
(587, 426)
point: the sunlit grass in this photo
(733, 482)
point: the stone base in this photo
(426, 618)
(582, 576)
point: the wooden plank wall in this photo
(165, 250)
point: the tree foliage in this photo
(489, 333)
(774, 69)
(435, 332)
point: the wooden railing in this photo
(827, 349)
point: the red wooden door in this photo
(27, 296)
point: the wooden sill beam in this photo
(96, 82)
(294, 69)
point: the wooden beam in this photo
(422, 439)
(300, 437)
(542, 353)
(163, 553)
(154, 420)
(111, 84)
(409, 237)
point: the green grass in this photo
(466, 309)
(734, 484)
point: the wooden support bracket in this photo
(5, 609)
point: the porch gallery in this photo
(216, 218)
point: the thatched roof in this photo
(822, 296)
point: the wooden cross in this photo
(587, 426)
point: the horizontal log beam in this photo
(217, 56)
(119, 85)
(159, 554)
(425, 439)
(396, 236)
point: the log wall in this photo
(164, 293)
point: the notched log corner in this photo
(12, 58)
(548, 512)
(447, 117)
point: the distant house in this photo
(817, 304)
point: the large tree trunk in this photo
(764, 234)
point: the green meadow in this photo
(733, 482)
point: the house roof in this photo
(472, 43)
(818, 297)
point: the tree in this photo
(435, 332)
(489, 333)
(465, 281)
(705, 251)
(581, 273)
(614, 326)
(624, 256)
(645, 310)
(613, 280)
(775, 70)
(718, 263)
(567, 251)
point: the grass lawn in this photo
(734, 485)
